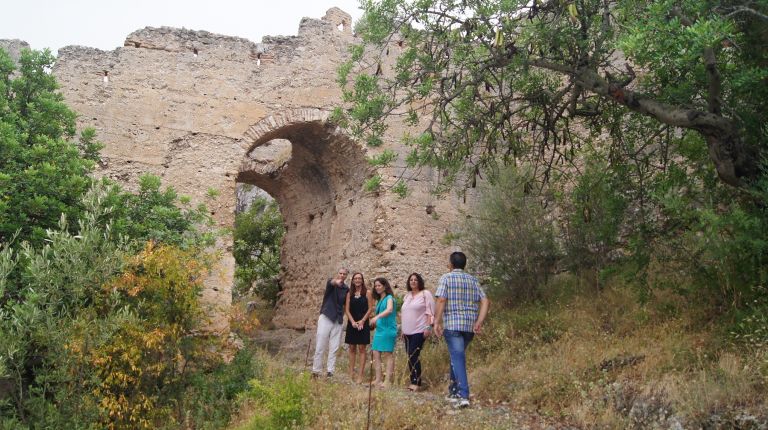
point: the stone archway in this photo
(328, 217)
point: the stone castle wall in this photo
(205, 111)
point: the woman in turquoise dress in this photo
(386, 331)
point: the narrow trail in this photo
(290, 347)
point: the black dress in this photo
(358, 306)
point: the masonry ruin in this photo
(205, 111)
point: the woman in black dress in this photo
(357, 308)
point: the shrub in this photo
(158, 215)
(511, 236)
(43, 167)
(594, 216)
(282, 400)
(258, 235)
(91, 337)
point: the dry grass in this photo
(566, 361)
(579, 360)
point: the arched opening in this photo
(258, 231)
(316, 175)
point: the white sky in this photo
(105, 24)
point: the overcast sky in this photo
(105, 24)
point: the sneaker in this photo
(330, 374)
(453, 398)
(315, 375)
(462, 403)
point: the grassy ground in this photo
(596, 360)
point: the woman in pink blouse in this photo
(417, 317)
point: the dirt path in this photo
(393, 407)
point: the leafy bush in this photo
(157, 215)
(511, 236)
(258, 235)
(43, 170)
(594, 216)
(282, 400)
(213, 395)
(90, 336)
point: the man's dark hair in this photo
(458, 260)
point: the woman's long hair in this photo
(352, 288)
(419, 281)
(387, 288)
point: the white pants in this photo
(328, 338)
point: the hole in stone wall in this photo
(194, 52)
(258, 59)
(106, 77)
(342, 25)
(311, 217)
(392, 247)
(257, 242)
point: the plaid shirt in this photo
(463, 294)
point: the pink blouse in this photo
(417, 312)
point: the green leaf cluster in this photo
(43, 168)
(258, 235)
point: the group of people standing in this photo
(458, 315)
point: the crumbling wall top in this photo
(334, 21)
(185, 40)
(339, 19)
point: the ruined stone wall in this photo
(204, 111)
(14, 47)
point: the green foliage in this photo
(622, 155)
(92, 336)
(400, 188)
(282, 400)
(383, 159)
(596, 210)
(258, 235)
(373, 184)
(158, 215)
(99, 287)
(723, 244)
(138, 365)
(212, 396)
(497, 81)
(43, 169)
(750, 328)
(511, 237)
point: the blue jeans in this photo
(457, 344)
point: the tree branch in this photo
(744, 9)
(733, 160)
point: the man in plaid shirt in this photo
(461, 310)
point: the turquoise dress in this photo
(386, 328)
